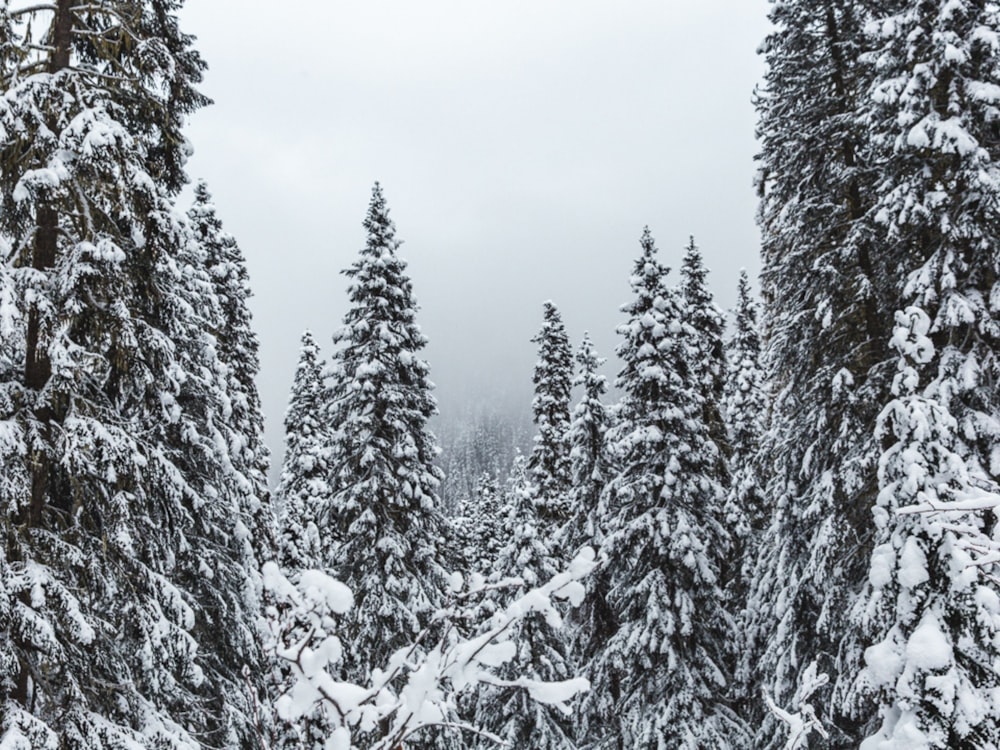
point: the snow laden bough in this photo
(416, 691)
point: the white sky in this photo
(522, 146)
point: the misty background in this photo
(522, 146)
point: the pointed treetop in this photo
(695, 275)
(381, 229)
(589, 362)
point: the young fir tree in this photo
(589, 464)
(660, 680)
(381, 528)
(549, 463)
(302, 491)
(480, 525)
(542, 651)
(708, 323)
(128, 609)
(746, 408)
(827, 288)
(930, 613)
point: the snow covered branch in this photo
(803, 722)
(418, 687)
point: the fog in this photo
(522, 146)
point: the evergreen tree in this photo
(481, 523)
(238, 350)
(381, 529)
(932, 116)
(827, 288)
(589, 465)
(746, 408)
(128, 608)
(509, 712)
(708, 323)
(930, 612)
(303, 489)
(660, 680)
(549, 463)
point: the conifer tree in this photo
(549, 463)
(589, 464)
(542, 653)
(932, 116)
(827, 288)
(708, 323)
(660, 679)
(746, 408)
(381, 528)
(129, 611)
(303, 490)
(238, 350)
(930, 613)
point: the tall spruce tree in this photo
(381, 527)
(660, 680)
(747, 513)
(932, 115)
(238, 350)
(129, 610)
(549, 463)
(828, 293)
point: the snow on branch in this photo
(804, 722)
(418, 687)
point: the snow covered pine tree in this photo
(931, 617)
(549, 464)
(302, 492)
(127, 606)
(381, 529)
(828, 305)
(660, 680)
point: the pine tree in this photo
(930, 612)
(934, 124)
(746, 407)
(127, 603)
(549, 463)
(932, 116)
(238, 350)
(827, 288)
(302, 492)
(708, 323)
(381, 528)
(589, 463)
(303, 489)
(660, 679)
(542, 653)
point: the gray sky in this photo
(522, 146)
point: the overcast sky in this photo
(522, 146)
